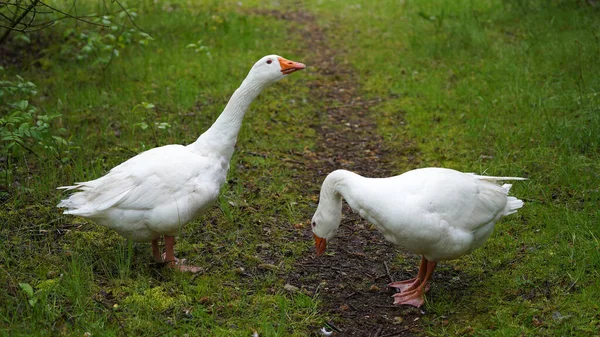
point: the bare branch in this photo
(72, 16)
(130, 18)
(38, 27)
(6, 17)
(16, 23)
(25, 12)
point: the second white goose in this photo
(438, 213)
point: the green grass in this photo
(494, 87)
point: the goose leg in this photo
(414, 296)
(169, 255)
(156, 251)
(172, 260)
(413, 282)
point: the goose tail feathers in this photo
(512, 203)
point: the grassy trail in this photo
(355, 274)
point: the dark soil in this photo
(351, 278)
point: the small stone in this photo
(557, 316)
(374, 288)
(267, 266)
(290, 288)
(308, 292)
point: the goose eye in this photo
(313, 224)
(269, 61)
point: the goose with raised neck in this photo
(438, 213)
(157, 192)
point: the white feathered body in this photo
(436, 212)
(153, 193)
(158, 191)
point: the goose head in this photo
(273, 68)
(325, 223)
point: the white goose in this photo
(158, 191)
(438, 213)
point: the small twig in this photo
(256, 154)
(353, 307)
(378, 332)
(290, 160)
(333, 326)
(67, 15)
(385, 306)
(387, 271)
(352, 294)
(380, 276)
(131, 18)
(120, 146)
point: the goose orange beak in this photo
(320, 244)
(288, 67)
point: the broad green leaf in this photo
(27, 288)
(23, 37)
(22, 104)
(148, 105)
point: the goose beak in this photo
(320, 244)
(288, 67)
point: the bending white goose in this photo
(158, 191)
(438, 213)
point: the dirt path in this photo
(351, 279)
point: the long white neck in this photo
(337, 185)
(339, 182)
(222, 135)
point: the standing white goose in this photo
(438, 213)
(158, 191)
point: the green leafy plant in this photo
(199, 47)
(149, 108)
(28, 290)
(104, 41)
(22, 127)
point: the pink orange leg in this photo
(413, 282)
(414, 296)
(172, 260)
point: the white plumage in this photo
(438, 213)
(158, 191)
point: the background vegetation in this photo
(494, 87)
